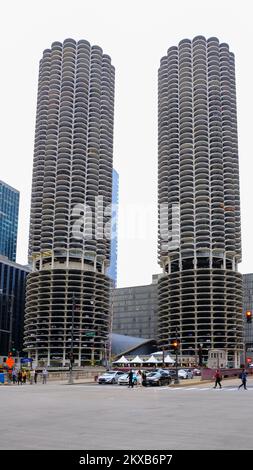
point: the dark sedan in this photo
(172, 373)
(157, 378)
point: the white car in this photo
(124, 379)
(182, 374)
(110, 377)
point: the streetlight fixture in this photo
(200, 354)
(71, 355)
(176, 381)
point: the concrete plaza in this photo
(92, 416)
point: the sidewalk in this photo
(233, 381)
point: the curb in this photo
(199, 382)
(187, 384)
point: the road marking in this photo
(109, 387)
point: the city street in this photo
(92, 416)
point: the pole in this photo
(176, 381)
(18, 363)
(71, 344)
(11, 321)
(247, 343)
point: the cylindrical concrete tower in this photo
(67, 306)
(200, 294)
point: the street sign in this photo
(90, 333)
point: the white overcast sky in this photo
(136, 34)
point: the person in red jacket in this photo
(218, 378)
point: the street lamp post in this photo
(200, 354)
(11, 320)
(71, 381)
(176, 381)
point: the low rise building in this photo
(135, 310)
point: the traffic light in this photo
(175, 344)
(248, 360)
(249, 316)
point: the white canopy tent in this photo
(152, 360)
(136, 360)
(121, 360)
(169, 360)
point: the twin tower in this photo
(200, 292)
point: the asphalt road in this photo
(82, 416)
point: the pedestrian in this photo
(35, 376)
(14, 376)
(32, 376)
(243, 377)
(130, 379)
(28, 375)
(20, 378)
(24, 376)
(144, 376)
(139, 378)
(218, 378)
(44, 375)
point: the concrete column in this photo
(36, 357)
(224, 260)
(48, 357)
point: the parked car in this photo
(167, 371)
(110, 377)
(157, 378)
(196, 372)
(172, 373)
(124, 379)
(182, 374)
(190, 373)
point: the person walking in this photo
(20, 378)
(28, 375)
(139, 378)
(14, 376)
(130, 379)
(35, 376)
(32, 376)
(243, 377)
(44, 375)
(24, 376)
(143, 376)
(218, 378)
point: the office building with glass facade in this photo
(12, 305)
(112, 270)
(9, 206)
